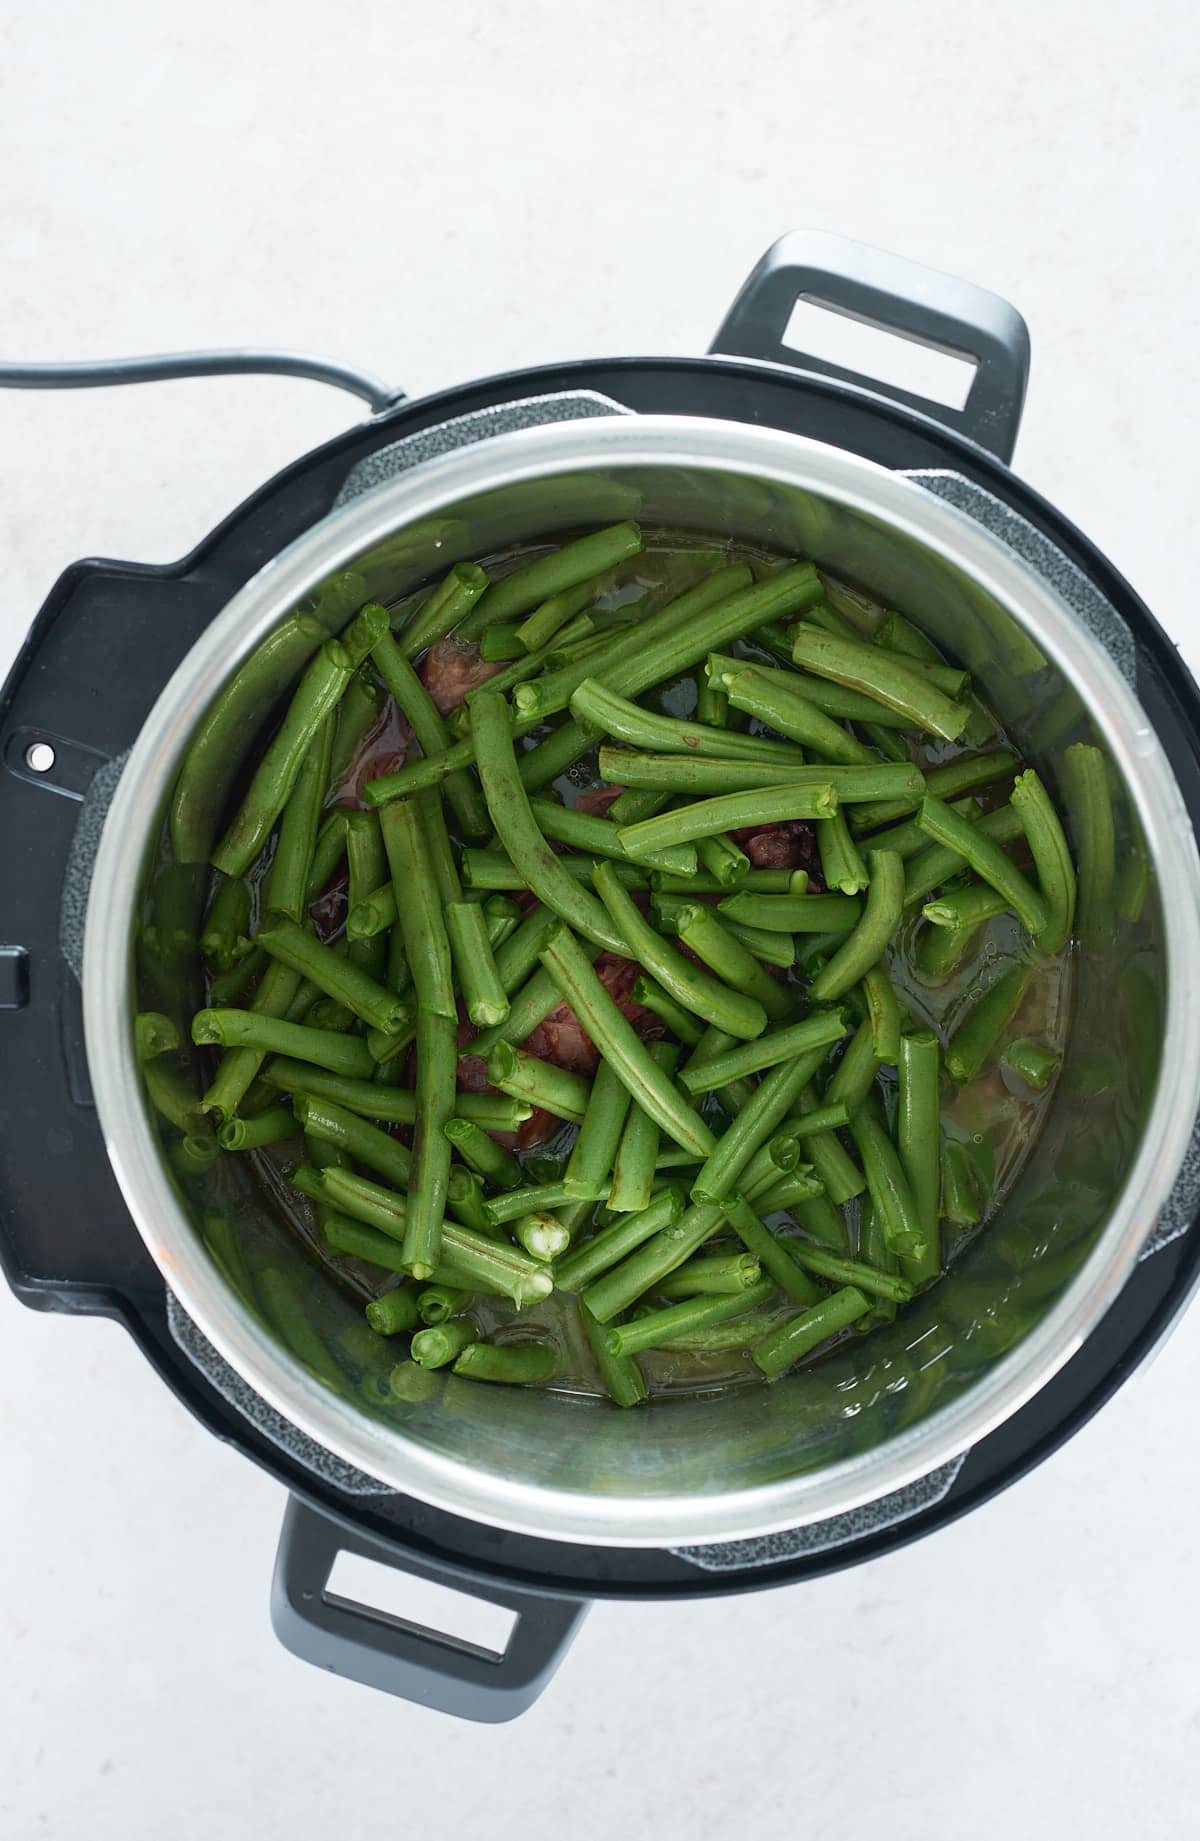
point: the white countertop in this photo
(442, 194)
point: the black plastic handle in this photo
(383, 1651)
(901, 297)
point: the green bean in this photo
(799, 1336)
(717, 1275)
(333, 1124)
(705, 774)
(393, 1105)
(394, 1312)
(636, 803)
(1133, 884)
(977, 1035)
(478, 979)
(883, 1014)
(501, 645)
(870, 1279)
(429, 727)
(449, 604)
(620, 1045)
(762, 1115)
(967, 906)
(712, 706)
(1051, 856)
(338, 977)
(353, 1238)
(229, 988)
(918, 1140)
(725, 861)
(816, 1031)
(368, 867)
(623, 657)
(891, 1196)
(772, 1255)
(465, 1195)
(430, 770)
(907, 838)
(701, 929)
(538, 1198)
(944, 782)
(869, 941)
(694, 1313)
(987, 860)
(842, 867)
(637, 1152)
(328, 1013)
(543, 1236)
(854, 1076)
(951, 679)
(357, 713)
(269, 1035)
(441, 1343)
(939, 862)
(598, 837)
(824, 695)
(556, 1090)
(518, 956)
(766, 695)
(940, 949)
(533, 1002)
(223, 940)
(195, 1153)
(960, 1191)
(509, 806)
(286, 889)
(831, 1162)
(1031, 1062)
(328, 852)
(623, 1379)
(277, 991)
(154, 1034)
(793, 913)
(649, 1260)
(900, 635)
(651, 996)
(271, 1127)
(491, 869)
(315, 698)
(591, 1163)
(616, 1241)
(514, 1364)
(422, 922)
(889, 680)
(548, 621)
(430, 1171)
(565, 568)
(373, 915)
(482, 1153)
(757, 882)
(690, 985)
(730, 812)
(823, 1222)
(437, 1303)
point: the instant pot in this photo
(534, 1501)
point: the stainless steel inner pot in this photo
(880, 1413)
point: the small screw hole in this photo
(39, 757)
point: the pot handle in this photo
(902, 297)
(382, 1651)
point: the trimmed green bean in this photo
(373, 915)
(223, 940)
(598, 837)
(154, 1034)
(316, 697)
(765, 695)
(799, 1336)
(907, 838)
(645, 1263)
(637, 1152)
(704, 774)
(270, 1035)
(977, 1035)
(883, 1014)
(1031, 1062)
(987, 860)
(270, 1127)
(512, 1364)
(960, 1190)
(548, 621)
(716, 1275)
(543, 1235)
(337, 976)
(565, 568)
(478, 979)
(888, 679)
(556, 1090)
(465, 1196)
(890, 1194)
(616, 1241)
(328, 851)
(680, 1022)
(832, 1163)
(729, 812)
(623, 1379)
(277, 991)
(447, 605)
(621, 1046)
(366, 1143)
(772, 1254)
(816, 1031)
(538, 1198)
(491, 869)
(793, 913)
(393, 1105)
(441, 1343)
(430, 1170)
(675, 1319)
(422, 921)
(1051, 857)
(690, 985)
(762, 1115)
(591, 1164)
(700, 928)
(429, 727)
(368, 868)
(725, 861)
(944, 782)
(940, 949)
(495, 1164)
(939, 862)
(636, 803)
(842, 867)
(395, 1312)
(286, 889)
(967, 906)
(437, 1303)
(854, 1076)
(823, 1222)
(918, 1140)
(870, 939)
(837, 1271)
(355, 1239)
(357, 713)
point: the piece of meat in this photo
(561, 1038)
(451, 669)
(383, 749)
(328, 911)
(597, 799)
(789, 845)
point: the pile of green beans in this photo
(756, 1154)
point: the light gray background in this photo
(435, 193)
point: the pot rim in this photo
(383, 1451)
